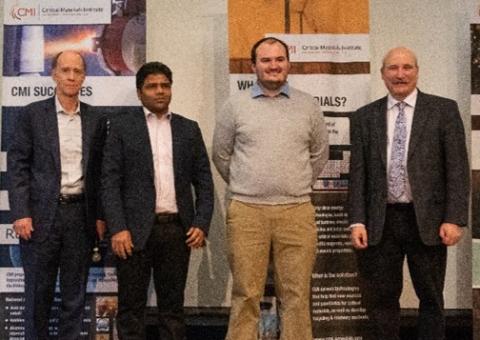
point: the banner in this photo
(110, 34)
(329, 53)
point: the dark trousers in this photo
(168, 255)
(381, 269)
(65, 252)
(28, 262)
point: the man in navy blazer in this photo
(53, 169)
(152, 158)
(409, 194)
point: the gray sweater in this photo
(270, 150)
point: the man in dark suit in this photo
(152, 158)
(53, 166)
(408, 196)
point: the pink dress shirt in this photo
(160, 132)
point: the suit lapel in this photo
(88, 127)
(144, 138)
(176, 141)
(420, 117)
(51, 131)
(380, 127)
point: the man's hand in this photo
(23, 227)
(101, 228)
(195, 237)
(450, 233)
(122, 244)
(358, 236)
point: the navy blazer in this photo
(128, 189)
(437, 165)
(34, 170)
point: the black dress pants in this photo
(167, 254)
(381, 277)
(66, 253)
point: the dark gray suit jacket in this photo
(128, 175)
(34, 170)
(437, 165)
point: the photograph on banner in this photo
(32, 48)
(110, 36)
(115, 49)
(250, 20)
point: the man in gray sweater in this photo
(270, 144)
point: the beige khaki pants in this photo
(289, 231)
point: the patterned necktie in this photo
(396, 176)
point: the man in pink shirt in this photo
(152, 158)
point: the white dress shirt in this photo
(160, 132)
(71, 156)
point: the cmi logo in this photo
(18, 13)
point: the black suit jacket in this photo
(34, 169)
(128, 176)
(437, 166)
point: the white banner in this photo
(56, 12)
(7, 234)
(102, 280)
(96, 90)
(337, 48)
(335, 92)
(12, 280)
(4, 205)
(475, 150)
(338, 130)
(475, 104)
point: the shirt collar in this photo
(59, 108)
(257, 91)
(410, 100)
(147, 113)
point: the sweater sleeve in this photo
(223, 141)
(319, 148)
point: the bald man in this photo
(53, 169)
(408, 196)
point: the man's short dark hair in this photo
(153, 67)
(55, 60)
(268, 40)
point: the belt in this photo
(74, 198)
(400, 206)
(167, 218)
